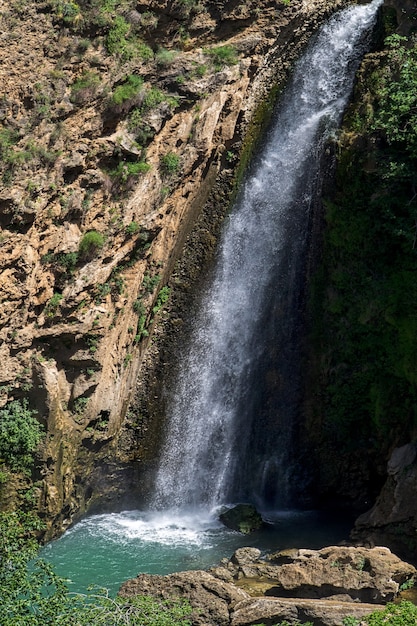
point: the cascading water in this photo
(238, 393)
(237, 396)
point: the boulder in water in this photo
(243, 517)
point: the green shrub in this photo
(132, 228)
(8, 138)
(31, 594)
(91, 243)
(149, 282)
(222, 56)
(170, 163)
(116, 42)
(162, 298)
(20, 435)
(153, 97)
(165, 57)
(396, 112)
(53, 304)
(128, 90)
(68, 260)
(85, 88)
(127, 172)
(403, 614)
(143, 51)
(68, 12)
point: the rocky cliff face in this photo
(116, 121)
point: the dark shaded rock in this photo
(393, 518)
(243, 517)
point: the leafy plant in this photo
(149, 282)
(80, 405)
(85, 87)
(20, 435)
(116, 42)
(32, 594)
(396, 113)
(165, 57)
(127, 91)
(91, 242)
(132, 228)
(170, 163)
(222, 56)
(162, 298)
(153, 97)
(68, 11)
(403, 614)
(53, 304)
(127, 172)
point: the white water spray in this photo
(237, 395)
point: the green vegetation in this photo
(222, 56)
(85, 88)
(68, 12)
(366, 289)
(141, 330)
(116, 41)
(132, 228)
(53, 304)
(149, 282)
(65, 261)
(403, 614)
(31, 594)
(8, 138)
(128, 91)
(162, 298)
(127, 172)
(80, 405)
(170, 163)
(122, 42)
(396, 115)
(165, 57)
(91, 242)
(137, 124)
(20, 435)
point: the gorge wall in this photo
(117, 119)
(123, 127)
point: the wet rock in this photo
(243, 517)
(393, 518)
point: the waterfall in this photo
(238, 395)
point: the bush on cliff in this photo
(20, 435)
(90, 244)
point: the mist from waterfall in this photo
(238, 393)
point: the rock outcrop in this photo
(243, 517)
(323, 586)
(393, 518)
(369, 575)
